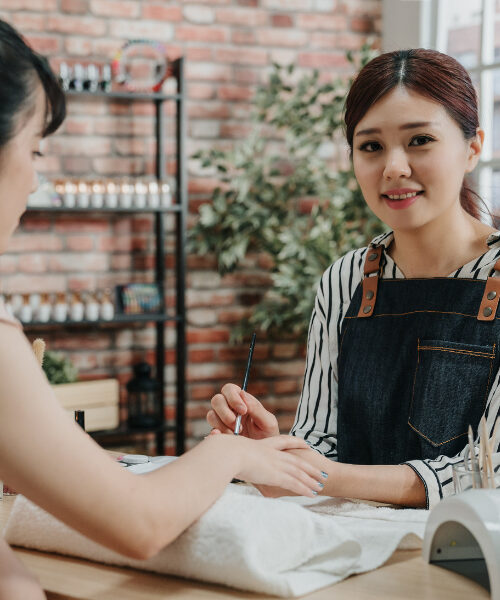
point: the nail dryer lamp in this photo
(463, 535)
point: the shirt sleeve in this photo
(437, 474)
(316, 417)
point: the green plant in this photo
(58, 368)
(259, 206)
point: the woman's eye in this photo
(370, 147)
(37, 154)
(421, 140)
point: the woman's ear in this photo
(475, 147)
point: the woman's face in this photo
(410, 158)
(18, 176)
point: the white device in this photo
(463, 535)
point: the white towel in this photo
(286, 547)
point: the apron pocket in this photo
(450, 389)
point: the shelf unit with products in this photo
(178, 208)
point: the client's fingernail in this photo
(321, 485)
(325, 475)
(315, 493)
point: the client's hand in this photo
(266, 462)
(256, 422)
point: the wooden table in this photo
(404, 576)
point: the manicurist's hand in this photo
(268, 462)
(256, 422)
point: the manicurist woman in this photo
(43, 453)
(403, 341)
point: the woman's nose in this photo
(397, 165)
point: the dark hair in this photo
(429, 73)
(21, 68)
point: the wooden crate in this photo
(99, 399)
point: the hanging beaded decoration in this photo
(121, 67)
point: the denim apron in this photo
(417, 359)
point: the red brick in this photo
(320, 59)
(243, 37)
(289, 5)
(75, 6)
(283, 368)
(87, 146)
(242, 56)
(286, 387)
(27, 21)
(77, 126)
(235, 92)
(78, 46)
(81, 283)
(160, 12)
(76, 25)
(79, 243)
(282, 37)
(322, 21)
(140, 28)
(362, 24)
(44, 44)
(208, 111)
(202, 392)
(118, 166)
(201, 356)
(79, 262)
(246, 17)
(235, 130)
(35, 283)
(200, 33)
(8, 263)
(205, 336)
(44, 5)
(115, 8)
(201, 91)
(35, 223)
(285, 350)
(281, 21)
(70, 224)
(76, 165)
(198, 54)
(208, 71)
(33, 242)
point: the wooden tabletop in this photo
(405, 575)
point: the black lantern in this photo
(143, 399)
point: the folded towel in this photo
(273, 546)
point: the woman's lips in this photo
(403, 203)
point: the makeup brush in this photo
(39, 350)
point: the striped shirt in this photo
(316, 418)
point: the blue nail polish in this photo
(325, 475)
(315, 493)
(321, 485)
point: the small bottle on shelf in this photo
(111, 197)
(107, 308)
(91, 308)
(26, 312)
(140, 191)
(97, 196)
(165, 194)
(16, 303)
(69, 197)
(60, 308)
(126, 192)
(83, 196)
(44, 311)
(76, 308)
(153, 194)
(8, 304)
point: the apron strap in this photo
(370, 284)
(491, 296)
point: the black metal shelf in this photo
(62, 209)
(117, 320)
(179, 210)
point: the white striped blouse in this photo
(316, 417)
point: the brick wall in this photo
(229, 46)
